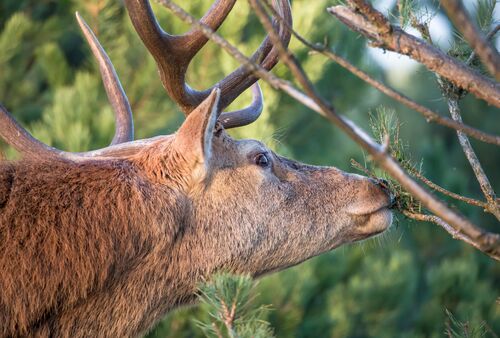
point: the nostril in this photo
(384, 184)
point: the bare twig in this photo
(484, 183)
(401, 42)
(446, 192)
(453, 94)
(429, 115)
(488, 55)
(436, 220)
(488, 243)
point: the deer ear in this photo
(194, 138)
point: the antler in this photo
(173, 53)
(124, 124)
(21, 140)
(17, 137)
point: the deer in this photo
(106, 242)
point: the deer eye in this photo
(262, 160)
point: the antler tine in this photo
(174, 53)
(245, 116)
(235, 83)
(124, 125)
(21, 140)
(194, 40)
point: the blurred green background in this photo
(397, 285)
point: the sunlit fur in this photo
(106, 247)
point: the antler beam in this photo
(174, 53)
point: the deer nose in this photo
(384, 184)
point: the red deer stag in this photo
(105, 242)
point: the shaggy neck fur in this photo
(77, 238)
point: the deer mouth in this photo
(373, 223)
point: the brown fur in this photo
(106, 247)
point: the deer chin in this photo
(373, 223)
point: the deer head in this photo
(178, 207)
(253, 211)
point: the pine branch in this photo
(458, 329)
(429, 115)
(452, 95)
(229, 301)
(364, 19)
(488, 55)
(385, 127)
